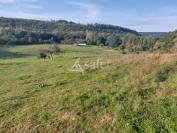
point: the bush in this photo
(54, 49)
(48, 52)
(163, 74)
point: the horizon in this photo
(142, 16)
(83, 23)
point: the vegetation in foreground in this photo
(134, 93)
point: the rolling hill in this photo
(61, 25)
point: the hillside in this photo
(153, 34)
(61, 25)
(124, 93)
(168, 42)
(26, 31)
(152, 42)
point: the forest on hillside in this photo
(25, 32)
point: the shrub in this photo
(48, 52)
(163, 74)
(54, 48)
(145, 92)
(124, 52)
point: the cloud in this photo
(93, 10)
(74, 16)
(20, 5)
(141, 21)
(14, 1)
(90, 11)
(33, 6)
(20, 15)
(7, 1)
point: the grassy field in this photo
(113, 92)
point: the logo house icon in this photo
(77, 67)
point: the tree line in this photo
(26, 32)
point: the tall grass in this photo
(134, 93)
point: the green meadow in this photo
(114, 92)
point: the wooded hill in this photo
(153, 34)
(26, 31)
(60, 26)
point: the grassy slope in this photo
(134, 93)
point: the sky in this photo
(139, 15)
